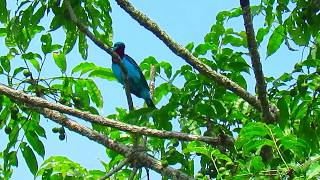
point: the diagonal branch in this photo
(32, 101)
(100, 44)
(146, 22)
(255, 61)
(143, 158)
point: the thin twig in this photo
(152, 79)
(115, 169)
(188, 57)
(276, 146)
(256, 64)
(101, 45)
(148, 174)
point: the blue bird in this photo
(137, 82)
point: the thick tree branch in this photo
(261, 86)
(101, 45)
(187, 56)
(143, 158)
(32, 101)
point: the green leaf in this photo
(220, 108)
(30, 158)
(174, 157)
(253, 145)
(3, 32)
(234, 41)
(83, 46)
(218, 155)
(256, 164)
(190, 46)
(63, 165)
(239, 79)
(46, 43)
(95, 93)
(298, 30)
(275, 41)
(84, 67)
(16, 71)
(202, 49)
(5, 63)
(95, 174)
(35, 142)
(295, 145)
(239, 66)
(161, 91)
(284, 112)
(251, 135)
(313, 171)
(198, 148)
(167, 68)
(145, 66)
(3, 12)
(70, 40)
(262, 32)
(56, 22)
(35, 64)
(60, 60)
(104, 73)
(222, 16)
(256, 129)
(13, 160)
(35, 19)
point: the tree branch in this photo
(146, 22)
(255, 61)
(101, 45)
(32, 101)
(143, 158)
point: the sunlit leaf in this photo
(275, 41)
(60, 60)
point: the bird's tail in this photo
(150, 103)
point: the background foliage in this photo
(288, 148)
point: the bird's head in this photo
(118, 47)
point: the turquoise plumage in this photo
(137, 82)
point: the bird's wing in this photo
(143, 79)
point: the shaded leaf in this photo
(30, 158)
(35, 142)
(83, 46)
